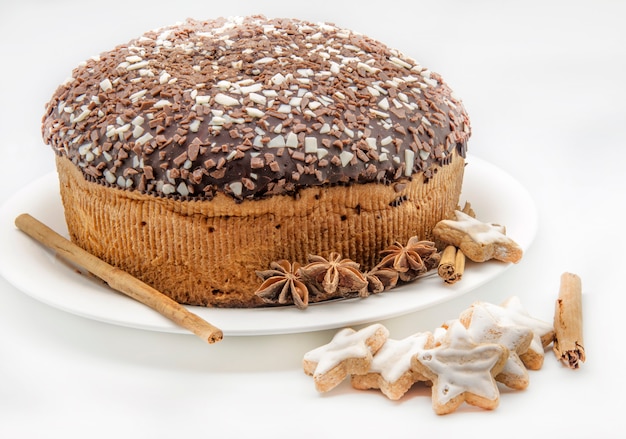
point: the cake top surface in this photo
(253, 107)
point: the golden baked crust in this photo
(206, 252)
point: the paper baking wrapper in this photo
(207, 252)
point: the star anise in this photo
(379, 280)
(335, 276)
(283, 284)
(412, 260)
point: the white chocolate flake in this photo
(246, 90)
(182, 189)
(409, 160)
(277, 142)
(225, 100)
(278, 79)
(346, 157)
(137, 65)
(109, 176)
(106, 85)
(138, 120)
(137, 131)
(236, 187)
(168, 189)
(257, 98)
(144, 139)
(310, 144)
(200, 99)
(255, 112)
(162, 103)
(291, 141)
(321, 153)
(194, 126)
(82, 116)
(400, 62)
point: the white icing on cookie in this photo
(460, 366)
(394, 358)
(440, 332)
(483, 327)
(478, 230)
(511, 312)
(479, 241)
(346, 344)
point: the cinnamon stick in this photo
(568, 322)
(446, 264)
(119, 280)
(459, 264)
(451, 265)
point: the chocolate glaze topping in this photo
(253, 107)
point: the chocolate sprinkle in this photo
(240, 105)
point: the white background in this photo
(543, 82)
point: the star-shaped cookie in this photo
(391, 370)
(462, 370)
(349, 352)
(483, 327)
(511, 312)
(479, 241)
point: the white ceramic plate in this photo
(494, 194)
